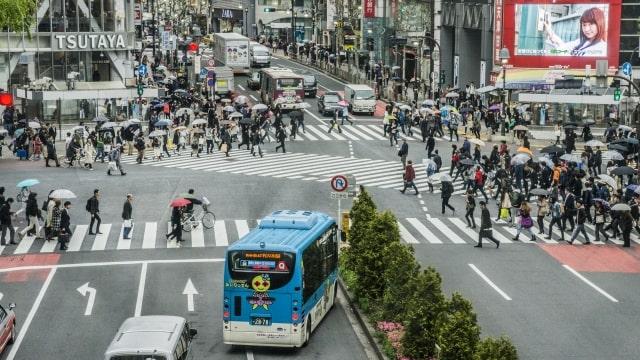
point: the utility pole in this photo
(153, 26)
(293, 23)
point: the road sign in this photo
(339, 183)
(140, 90)
(616, 94)
(203, 72)
(626, 69)
(142, 70)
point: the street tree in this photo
(399, 275)
(426, 309)
(362, 213)
(17, 15)
(496, 349)
(459, 332)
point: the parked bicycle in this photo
(202, 215)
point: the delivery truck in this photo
(232, 50)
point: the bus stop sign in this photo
(339, 183)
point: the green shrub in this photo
(496, 349)
(362, 213)
(459, 332)
(401, 269)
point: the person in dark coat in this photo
(5, 222)
(176, 226)
(485, 226)
(65, 226)
(93, 207)
(281, 136)
(33, 214)
(447, 191)
(127, 212)
(51, 153)
(626, 225)
(431, 144)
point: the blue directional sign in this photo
(203, 72)
(142, 69)
(626, 69)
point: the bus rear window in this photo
(245, 265)
(289, 84)
(138, 357)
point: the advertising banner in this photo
(369, 8)
(331, 14)
(574, 33)
(497, 29)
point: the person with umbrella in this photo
(176, 221)
(140, 146)
(600, 219)
(33, 214)
(333, 122)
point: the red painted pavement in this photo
(15, 261)
(596, 258)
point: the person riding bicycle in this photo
(194, 200)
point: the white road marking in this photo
(488, 281)
(109, 263)
(241, 88)
(48, 246)
(424, 231)
(406, 235)
(24, 245)
(448, 233)
(314, 116)
(586, 281)
(253, 98)
(497, 235)
(250, 355)
(220, 233)
(124, 244)
(34, 309)
(141, 284)
(100, 241)
(197, 236)
(319, 133)
(243, 228)
(84, 290)
(78, 236)
(190, 291)
(149, 239)
(463, 227)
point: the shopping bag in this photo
(504, 213)
(223, 148)
(127, 223)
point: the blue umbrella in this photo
(163, 122)
(27, 183)
(158, 106)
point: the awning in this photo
(566, 99)
(536, 79)
(485, 89)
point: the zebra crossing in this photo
(413, 231)
(320, 132)
(454, 231)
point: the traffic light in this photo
(616, 94)
(192, 47)
(6, 99)
(269, 9)
(442, 77)
(140, 90)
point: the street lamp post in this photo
(430, 41)
(504, 60)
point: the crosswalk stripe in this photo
(150, 233)
(496, 234)
(260, 164)
(197, 236)
(449, 234)
(301, 164)
(406, 235)
(100, 240)
(374, 131)
(332, 166)
(333, 133)
(359, 133)
(424, 231)
(354, 168)
(124, 244)
(242, 227)
(25, 244)
(513, 232)
(48, 246)
(308, 135)
(77, 238)
(346, 131)
(310, 168)
(463, 227)
(220, 233)
(319, 133)
(2, 247)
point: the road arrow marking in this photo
(190, 290)
(84, 290)
(1, 296)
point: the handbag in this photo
(223, 148)
(504, 213)
(128, 223)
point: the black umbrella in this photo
(623, 170)
(618, 147)
(466, 162)
(538, 191)
(552, 149)
(571, 123)
(245, 121)
(632, 141)
(570, 127)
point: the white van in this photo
(151, 337)
(259, 55)
(361, 98)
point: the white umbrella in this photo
(609, 181)
(571, 158)
(612, 155)
(452, 94)
(235, 114)
(520, 128)
(34, 124)
(404, 107)
(62, 194)
(198, 122)
(259, 107)
(625, 128)
(181, 111)
(444, 177)
(520, 158)
(156, 133)
(303, 106)
(229, 108)
(594, 143)
(161, 68)
(621, 207)
(477, 142)
(429, 102)
(134, 121)
(241, 99)
(428, 111)
(226, 100)
(108, 125)
(548, 162)
(3, 131)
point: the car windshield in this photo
(255, 76)
(364, 95)
(331, 98)
(309, 79)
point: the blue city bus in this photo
(280, 280)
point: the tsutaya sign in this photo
(90, 41)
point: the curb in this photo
(368, 329)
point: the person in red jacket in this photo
(480, 178)
(409, 176)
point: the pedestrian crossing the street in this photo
(320, 132)
(414, 231)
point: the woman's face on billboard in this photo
(590, 30)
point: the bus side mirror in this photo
(193, 333)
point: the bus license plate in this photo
(260, 321)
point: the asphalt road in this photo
(555, 301)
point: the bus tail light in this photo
(225, 314)
(294, 316)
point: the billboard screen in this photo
(572, 33)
